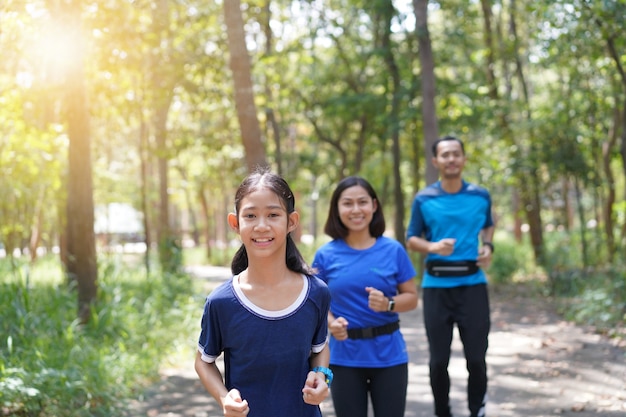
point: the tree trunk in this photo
(530, 199)
(244, 94)
(581, 219)
(616, 57)
(35, 235)
(528, 178)
(416, 178)
(623, 155)
(206, 214)
(610, 179)
(393, 124)
(270, 114)
(195, 231)
(488, 36)
(518, 200)
(143, 181)
(162, 88)
(429, 112)
(164, 231)
(81, 247)
(517, 219)
(566, 212)
(62, 238)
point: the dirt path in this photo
(539, 365)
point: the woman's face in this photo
(356, 209)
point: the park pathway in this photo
(539, 365)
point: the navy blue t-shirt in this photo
(266, 353)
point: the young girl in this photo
(270, 318)
(370, 278)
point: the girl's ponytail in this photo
(294, 259)
(240, 261)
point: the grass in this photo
(52, 366)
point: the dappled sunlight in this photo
(504, 346)
(544, 366)
(58, 49)
(52, 50)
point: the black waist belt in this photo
(369, 332)
(445, 269)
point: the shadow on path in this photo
(539, 365)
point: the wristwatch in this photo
(327, 372)
(493, 249)
(391, 305)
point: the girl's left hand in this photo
(377, 300)
(315, 389)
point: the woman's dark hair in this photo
(445, 138)
(335, 228)
(263, 178)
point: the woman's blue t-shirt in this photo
(347, 271)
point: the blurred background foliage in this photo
(536, 89)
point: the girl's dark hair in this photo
(445, 138)
(335, 228)
(263, 178)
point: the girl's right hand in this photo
(233, 405)
(339, 328)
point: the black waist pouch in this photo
(445, 269)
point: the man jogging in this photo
(451, 223)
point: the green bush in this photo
(508, 259)
(50, 365)
(596, 298)
(593, 294)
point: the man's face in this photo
(450, 159)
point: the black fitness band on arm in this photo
(490, 246)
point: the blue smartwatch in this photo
(327, 372)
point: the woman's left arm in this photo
(405, 300)
(407, 297)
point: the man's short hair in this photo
(445, 138)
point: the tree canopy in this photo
(536, 89)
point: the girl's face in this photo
(263, 223)
(356, 209)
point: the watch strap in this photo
(327, 373)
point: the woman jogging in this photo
(370, 278)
